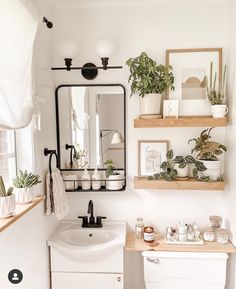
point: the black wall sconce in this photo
(89, 71)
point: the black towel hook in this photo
(51, 153)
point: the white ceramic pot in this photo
(219, 110)
(213, 169)
(24, 195)
(181, 172)
(150, 104)
(116, 182)
(7, 206)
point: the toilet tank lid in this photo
(185, 255)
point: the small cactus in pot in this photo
(23, 183)
(7, 200)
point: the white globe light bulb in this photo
(68, 48)
(104, 47)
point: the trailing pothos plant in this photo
(205, 148)
(169, 172)
(148, 77)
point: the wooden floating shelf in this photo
(20, 211)
(190, 184)
(181, 122)
(134, 244)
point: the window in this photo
(7, 155)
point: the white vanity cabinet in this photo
(62, 280)
(87, 258)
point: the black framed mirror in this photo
(91, 132)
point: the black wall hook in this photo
(48, 23)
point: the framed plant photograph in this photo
(191, 67)
(151, 154)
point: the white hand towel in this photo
(56, 195)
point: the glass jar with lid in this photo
(139, 228)
(215, 221)
(222, 236)
(208, 234)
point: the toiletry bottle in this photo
(182, 232)
(96, 180)
(86, 181)
(139, 228)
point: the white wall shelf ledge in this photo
(20, 211)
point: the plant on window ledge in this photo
(7, 200)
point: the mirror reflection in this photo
(91, 126)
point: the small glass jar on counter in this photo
(222, 236)
(139, 228)
(149, 235)
(208, 234)
(215, 221)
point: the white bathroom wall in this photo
(230, 196)
(151, 27)
(135, 29)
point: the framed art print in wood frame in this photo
(190, 69)
(151, 154)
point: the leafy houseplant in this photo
(7, 200)
(148, 78)
(114, 179)
(170, 171)
(78, 156)
(208, 152)
(216, 93)
(23, 183)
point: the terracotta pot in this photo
(7, 206)
(150, 104)
(24, 195)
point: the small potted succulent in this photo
(149, 81)
(216, 94)
(23, 186)
(208, 152)
(114, 180)
(7, 201)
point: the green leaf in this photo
(169, 154)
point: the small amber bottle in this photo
(149, 235)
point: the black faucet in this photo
(90, 222)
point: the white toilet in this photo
(184, 270)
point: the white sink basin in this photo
(87, 237)
(75, 242)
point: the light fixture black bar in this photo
(89, 68)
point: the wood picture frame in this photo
(151, 154)
(190, 69)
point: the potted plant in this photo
(149, 81)
(78, 157)
(23, 186)
(7, 201)
(207, 152)
(216, 94)
(177, 168)
(114, 180)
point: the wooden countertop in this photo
(20, 211)
(134, 244)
